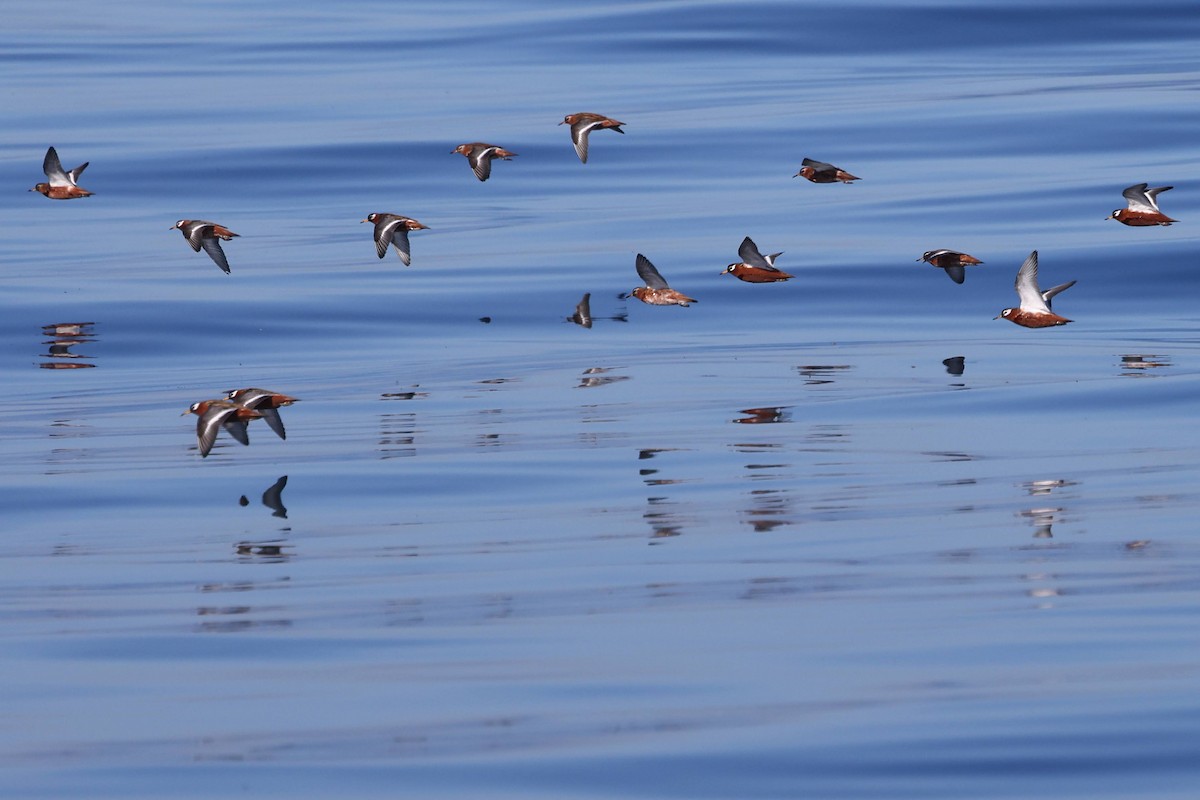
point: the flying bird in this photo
(393, 229)
(215, 415)
(208, 235)
(62, 184)
(1034, 311)
(584, 123)
(951, 261)
(754, 266)
(820, 172)
(656, 292)
(1142, 208)
(480, 155)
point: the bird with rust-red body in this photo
(951, 261)
(61, 184)
(202, 234)
(1034, 311)
(656, 292)
(392, 229)
(754, 266)
(584, 123)
(1142, 209)
(479, 156)
(266, 403)
(821, 172)
(215, 415)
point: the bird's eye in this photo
(1006, 312)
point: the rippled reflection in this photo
(817, 374)
(398, 429)
(1046, 487)
(64, 336)
(1043, 521)
(769, 506)
(1139, 366)
(1043, 518)
(662, 513)
(764, 415)
(597, 376)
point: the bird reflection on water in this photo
(63, 337)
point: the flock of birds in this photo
(233, 412)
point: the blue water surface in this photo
(847, 536)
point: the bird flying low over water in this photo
(203, 234)
(656, 292)
(61, 184)
(820, 172)
(392, 229)
(1142, 208)
(951, 261)
(266, 403)
(584, 123)
(215, 415)
(480, 155)
(754, 266)
(1034, 311)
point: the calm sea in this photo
(846, 536)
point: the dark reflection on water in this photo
(65, 336)
(955, 365)
(583, 317)
(818, 374)
(1141, 365)
(663, 514)
(272, 498)
(272, 552)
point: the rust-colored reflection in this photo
(63, 337)
(1140, 365)
(764, 415)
